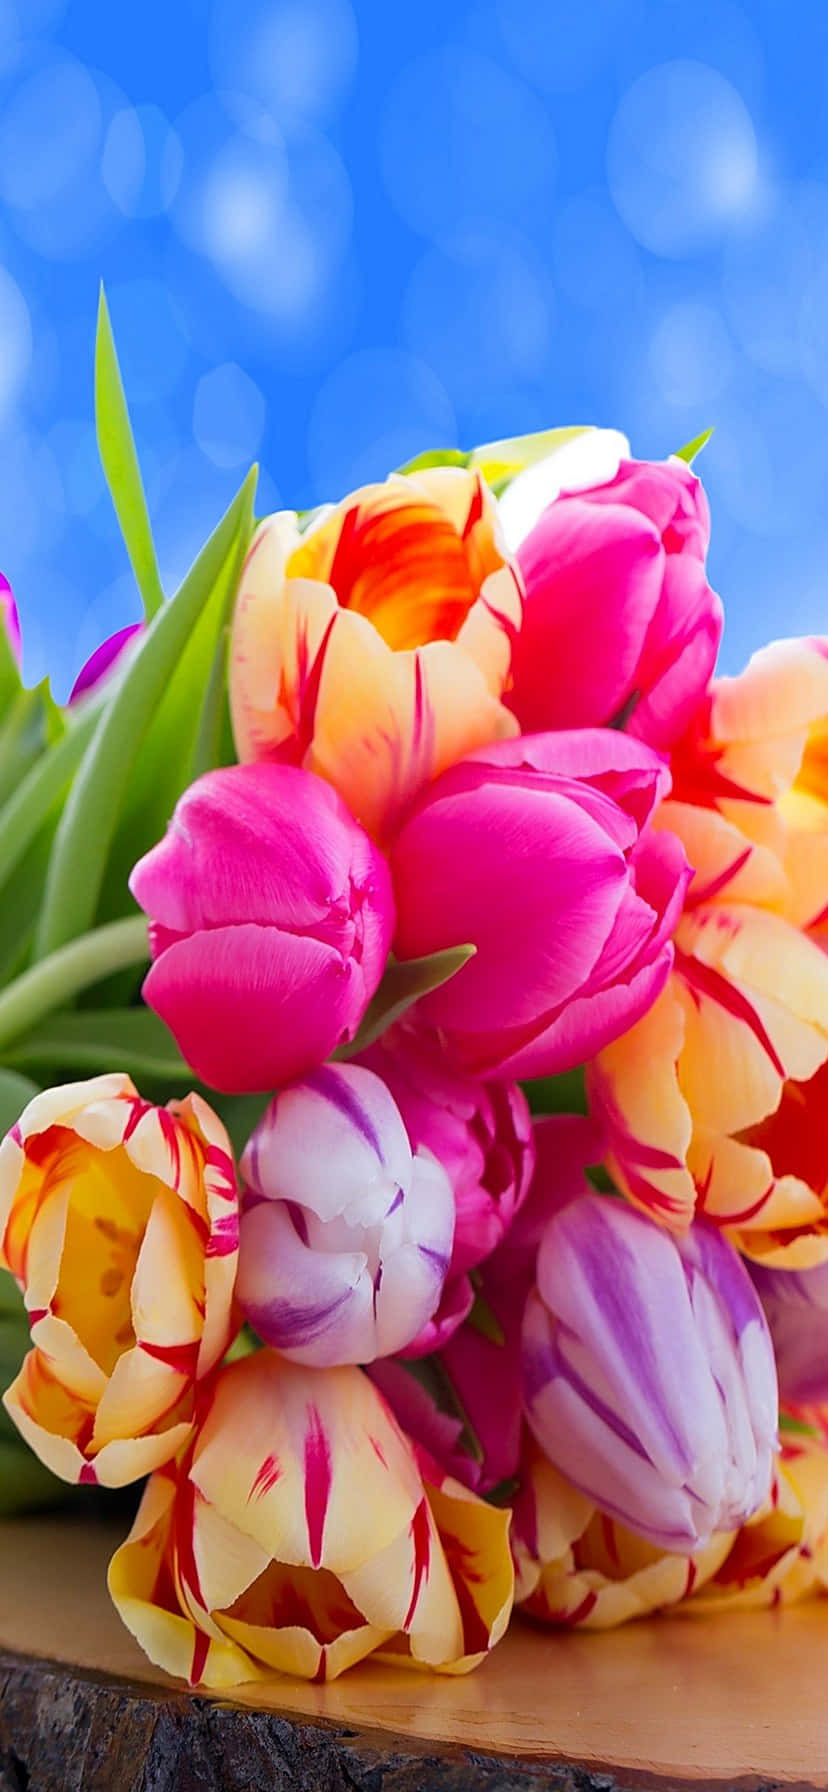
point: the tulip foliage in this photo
(414, 1070)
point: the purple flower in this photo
(796, 1308)
(346, 1234)
(649, 1377)
(103, 661)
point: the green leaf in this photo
(240, 1113)
(796, 1427)
(404, 982)
(484, 1320)
(691, 449)
(437, 457)
(15, 1092)
(188, 735)
(102, 786)
(29, 725)
(38, 792)
(500, 462)
(81, 964)
(102, 1039)
(10, 680)
(564, 1094)
(116, 446)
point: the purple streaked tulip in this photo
(103, 661)
(10, 619)
(346, 1233)
(649, 1377)
(796, 1308)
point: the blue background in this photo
(334, 232)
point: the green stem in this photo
(74, 967)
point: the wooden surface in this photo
(738, 1701)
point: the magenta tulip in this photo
(648, 1369)
(103, 661)
(619, 618)
(481, 1133)
(271, 914)
(346, 1233)
(10, 619)
(537, 852)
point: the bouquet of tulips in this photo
(480, 1259)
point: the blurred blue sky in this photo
(334, 232)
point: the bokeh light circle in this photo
(296, 58)
(142, 161)
(15, 341)
(682, 159)
(228, 416)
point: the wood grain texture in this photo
(738, 1703)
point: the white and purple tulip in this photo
(649, 1377)
(796, 1308)
(346, 1235)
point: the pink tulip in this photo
(103, 661)
(537, 852)
(346, 1233)
(649, 1376)
(10, 619)
(271, 915)
(621, 568)
(481, 1133)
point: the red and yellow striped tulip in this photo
(715, 1100)
(750, 786)
(119, 1221)
(576, 1567)
(301, 1532)
(375, 648)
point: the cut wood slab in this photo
(734, 1702)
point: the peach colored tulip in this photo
(715, 1100)
(119, 1221)
(300, 1532)
(375, 648)
(750, 785)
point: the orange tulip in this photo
(301, 1532)
(375, 648)
(119, 1221)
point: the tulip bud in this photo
(346, 1236)
(9, 618)
(537, 852)
(648, 1372)
(103, 661)
(620, 564)
(271, 917)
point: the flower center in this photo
(401, 563)
(108, 1209)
